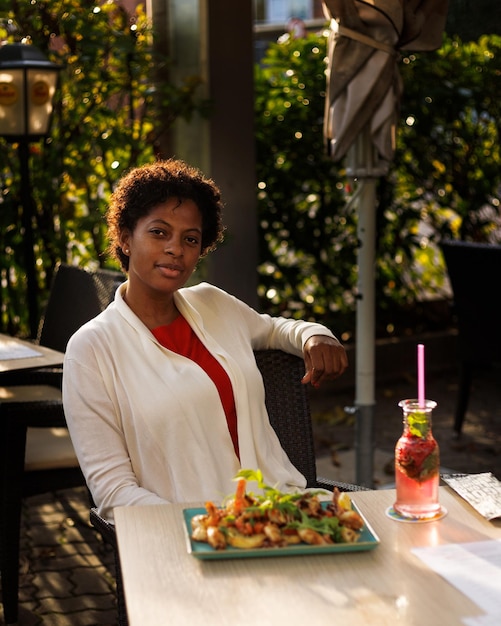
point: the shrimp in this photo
(214, 514)
(239, 501)
(216, 538)
(199, 527)
(311, 506)
(312, 537)
(291, 537)
(351, 519)
(341, 507)
(348, 535)
(277, 517)
(237, 540)
(272, 531)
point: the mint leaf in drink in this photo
(419, 424)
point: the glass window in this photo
(280, 11)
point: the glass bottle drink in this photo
(417, 463)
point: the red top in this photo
(179, 337)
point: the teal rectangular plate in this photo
(368, 540)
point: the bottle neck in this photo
(417, 423)
(417, 417)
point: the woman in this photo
(162, 395)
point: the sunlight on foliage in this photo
(444, 181)
(109, 113)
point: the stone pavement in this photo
(67, 573)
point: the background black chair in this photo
(288, 406)
(474, 271)
(36, 455)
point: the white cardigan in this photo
(147, 424)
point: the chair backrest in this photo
(76, 296)
(288, 406)
(474, 271)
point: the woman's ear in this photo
(124, 240)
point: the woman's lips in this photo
(170, 270)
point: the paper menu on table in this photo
(15, 350)
(489, 619)
(473, 568)
(482, 491)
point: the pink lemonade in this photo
(417, 464)
(414, 498)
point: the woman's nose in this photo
(175, 248)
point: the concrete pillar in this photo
(214, 40)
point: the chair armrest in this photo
(326, 483)
(43, 376)
(107, 532)
(106, 529)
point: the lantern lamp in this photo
(28, 82)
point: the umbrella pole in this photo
(365, 334)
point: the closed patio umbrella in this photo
(361, 116)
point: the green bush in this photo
(108, 116)
(308, 237)
(444, 182)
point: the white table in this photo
(389, 585)
(17, 354)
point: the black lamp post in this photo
(28, 82)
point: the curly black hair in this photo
(145, 187)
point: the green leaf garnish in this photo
(419, 423)
(254, 475)
(271, 498)
(323, 525)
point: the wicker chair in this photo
(289, 410)
(474, 270)
(32, 421)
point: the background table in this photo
(164, 584)
(27, 355)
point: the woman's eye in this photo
(157, 231)
(192, 240)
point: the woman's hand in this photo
(324, 359)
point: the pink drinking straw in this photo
(420, 356)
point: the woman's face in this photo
(165, 246)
